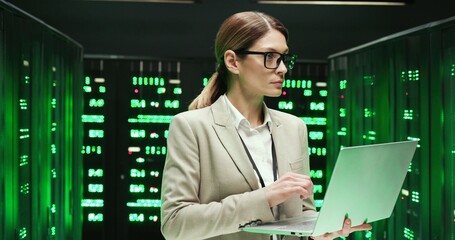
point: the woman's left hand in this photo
(347, 229)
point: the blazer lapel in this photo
(229, 137)
(281, 144)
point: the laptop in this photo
(365, 185)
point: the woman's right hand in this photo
(288, 185)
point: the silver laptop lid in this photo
(365, 184)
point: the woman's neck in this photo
(250, 108)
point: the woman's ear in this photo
(230, 60)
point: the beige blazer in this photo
(209, 187)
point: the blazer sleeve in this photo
(183, 216)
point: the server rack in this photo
(394, 89)
(41, 132)
(141, 96)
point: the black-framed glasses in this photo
(272, 60)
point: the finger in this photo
(346, 227)
(362, 227)
(295, 177)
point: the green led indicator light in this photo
(319, 121)
(53, 208)
(154, 150)
(25, 188)
(318, 151)
(154, 173)
(147, 203)
(151, 119)
(369, 80)
(87, 89)
(411, 75)
(317, 106)
(23, 160)
(177, 91)
(87, 80)
(166, 133)
(23, 233)
(137, 188)
(96, 102)
(92, 203)
(317, 188)
(137, 133)
(140, 160)
(161, 90)
(415, 197)
(367, 113)
(316, 135)
(285, 105)
(136, 173)
(98, 188)
(54, 103)
(205, 81)
(370, 136)
(307, 92)
(91, 149)
(95, 172)
(93, 118)
(408, 234)
(95, 133)
(408, 114)
(23, 104)
(134, 217)
(134, 81)
(316, 174)
(175, 104)
(342, 132)
(24, 133)
(342, 112)
(308, 83)
(154, 135)
(95, 217)
(136, 103)
(343, 84)
(102, 89)
(292, 83)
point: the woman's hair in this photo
(238, 32)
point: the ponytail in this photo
(215, 87)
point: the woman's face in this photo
(255, 80)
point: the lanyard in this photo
(274, 162)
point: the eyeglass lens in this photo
(273, 60)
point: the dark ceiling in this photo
(183, 30)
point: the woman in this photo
(231, 160)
